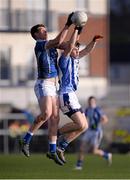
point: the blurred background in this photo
(104, 73)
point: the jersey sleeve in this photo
(100, 111)
(41, 45)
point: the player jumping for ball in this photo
(69, 104)
(45, 87)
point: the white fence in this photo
(5, 118)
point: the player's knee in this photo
(54, 120)
(45, 116)
(39, 119)
(83, 126)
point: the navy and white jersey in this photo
(69, 76)
(94, 117)
(46, 60)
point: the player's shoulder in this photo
(99, 110)
(40, 44)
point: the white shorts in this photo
(45, 88)
(69, 103)
(92, 137)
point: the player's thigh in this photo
(45, 104)
(95, 140)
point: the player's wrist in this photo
(68, 24)
(94, 40)
(79, 28)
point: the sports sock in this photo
(63, 144)
(52, 147)
(28, 137)
(105, 155)
(79, 163)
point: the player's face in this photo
(75, 52)
(42, 33)
(92, 103)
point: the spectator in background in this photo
(93, 136)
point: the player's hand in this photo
(79, 28)
(69, 21)
(97, 37)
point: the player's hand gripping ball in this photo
(79, 18)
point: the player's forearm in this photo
(90, 46)
(73, 38)
(78, 37)
(58, 40)
(71, 43)
(62, 35)
(104, 119)
(87, 49)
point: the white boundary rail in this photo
(5, 131)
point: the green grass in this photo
(39, 167)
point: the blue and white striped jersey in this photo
(94, 117)
(68, 74)
(46, 60)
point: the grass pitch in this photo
(39, 167)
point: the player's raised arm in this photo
(90, 46)
(61, 36)
(71, 43)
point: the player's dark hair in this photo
(34, 29)
(77, 44)
(90, 98)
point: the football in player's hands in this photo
(97, 37)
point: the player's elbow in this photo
(104, 120)
(57, 42)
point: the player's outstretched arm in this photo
(71, 43)
(90, 46)
(104, 119)
(61, 36)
